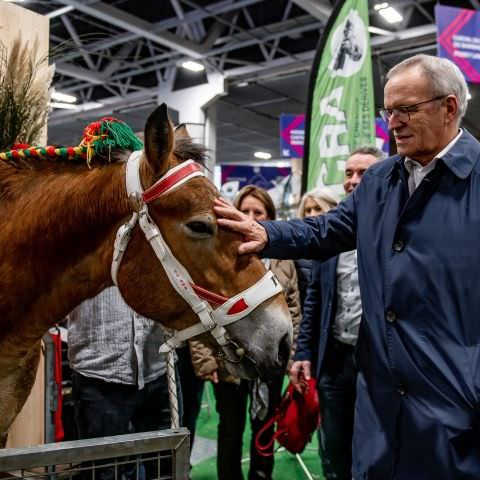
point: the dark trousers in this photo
(337, 388)
(231, 405)
(105, 409)
(261, 467)
(192, 391)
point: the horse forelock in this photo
(186, 149)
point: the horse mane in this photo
(19, 170)
(185, 149)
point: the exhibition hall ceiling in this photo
(116, 56)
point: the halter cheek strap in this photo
(199, 299)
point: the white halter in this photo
(211, 320)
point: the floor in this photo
(287, 466)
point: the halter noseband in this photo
(230, 310)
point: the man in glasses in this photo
(328, 335)
(415, 221)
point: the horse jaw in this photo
(266, 337)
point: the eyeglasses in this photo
(403, 113)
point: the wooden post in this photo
(29, 426)
(15, 22)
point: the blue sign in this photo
(276, 180)
(292, 135)
(458, 37)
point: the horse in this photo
(58, 227)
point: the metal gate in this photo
(131, 456)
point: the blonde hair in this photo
(324, 197)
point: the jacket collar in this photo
(460, 159)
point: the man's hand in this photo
(254, 235)
(299, 373)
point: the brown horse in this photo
(58, 221)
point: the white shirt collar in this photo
(410, 162)
(417, 172)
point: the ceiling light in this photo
(193, 66)
(242, 84)
(79, 107)
(379, 31)
(388, 13)
(89, 106)
(59, 11)
(66, 106)
(263, 155)
(63, 97)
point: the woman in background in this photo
(232, 393)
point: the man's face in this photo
(355, 167)
(424, 134)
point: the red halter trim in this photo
(170, 181)
(210, 297)
(178, 175)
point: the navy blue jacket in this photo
(319, 311)
(304, 272)
(418, 389)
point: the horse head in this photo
(258, 344)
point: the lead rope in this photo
(172, 391)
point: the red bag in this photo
(297, 417)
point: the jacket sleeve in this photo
(317, 238)
(308, 336)
(304, 270)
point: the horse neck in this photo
(56, 236)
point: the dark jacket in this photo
(304, 273)
(418, 353)
(318, 314)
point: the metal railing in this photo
(133, 456)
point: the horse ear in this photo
(181, 131)
(159, 139)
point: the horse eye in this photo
(202, 229)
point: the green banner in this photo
(341, 114)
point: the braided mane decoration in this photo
(99, 138)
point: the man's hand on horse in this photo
(254, 235)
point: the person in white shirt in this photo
(119, 379)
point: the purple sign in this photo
(382, 135)
(292, 134)
(458, 37)
(265, 177)
(276, 180)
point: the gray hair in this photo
(446, 78)
(369, 150)
(324, 197)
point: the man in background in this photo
(119, 378)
